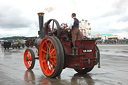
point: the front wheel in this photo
(29, 59)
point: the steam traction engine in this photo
(56, 52)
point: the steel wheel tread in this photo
(61, 55)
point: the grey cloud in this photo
(123, 19)
(125, 29)
(12, 18)
(119, 3)
(118, 30)
(106, 29)
(119, 10)
(112, 12)
(119, 7)
(114, 30)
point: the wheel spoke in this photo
(29, 63)
(52, 63)
(43, 61)
(53, 56)
(44, 51)
(29, 58)
(51, 67)
(46, 47)
(48, 63)
(51, 45)
(53, 27)
(47, 69)
(29, 54)
(52, 51)
(47, 44)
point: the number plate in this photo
(87, 51)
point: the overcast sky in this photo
(19, 17)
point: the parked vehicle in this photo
(15, 44)
(6, 45)
(30, 41)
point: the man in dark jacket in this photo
(74, 25)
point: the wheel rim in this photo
(27, 59)
(47, 57)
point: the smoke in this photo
(49, 9)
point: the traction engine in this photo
(56, 51)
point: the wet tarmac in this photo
(113, 71)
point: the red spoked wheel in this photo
(51, 57)
(29, 59)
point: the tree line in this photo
(13, 38)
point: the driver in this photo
(74, 26)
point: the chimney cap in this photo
(40, 14)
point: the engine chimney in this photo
(41, 31)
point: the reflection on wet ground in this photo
(113, 71)
(29, 76)
(77, 79)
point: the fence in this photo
(112, 41)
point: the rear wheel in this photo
(61, 54)
(50, 57)
(84, 70)
(97, 55)
(29, 59)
